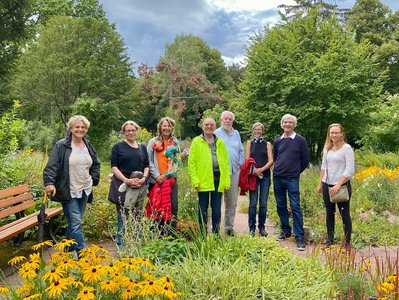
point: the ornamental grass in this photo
(95, 275)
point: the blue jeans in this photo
(73, 211)
(282, 186)
(262, 190)
(216, 204)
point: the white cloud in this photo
(239, 59)
(248, 5)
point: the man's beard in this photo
(227, 127)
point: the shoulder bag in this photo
(342, 195)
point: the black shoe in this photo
(252, 232)
(283, 236)
(263, 232)
(230, 232)
(300, 245)
(328, 244)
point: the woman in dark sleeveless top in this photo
(261, 151)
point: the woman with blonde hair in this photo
(337, 168)
(71, 172)
(162, 152)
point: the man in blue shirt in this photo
(235, 150)
(291, 158)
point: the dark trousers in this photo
(344, 210)
(216, 204)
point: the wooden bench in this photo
(14, 201)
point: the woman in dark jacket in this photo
(71, 172)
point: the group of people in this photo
(217, 165)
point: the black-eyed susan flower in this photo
(146, 262)
(67, 264)
(64, 243)
(56, 288)
(4, 290)
(41, 245)
(128, 294)
(16, 260)
(33, 297)
(76, 283)
(27, 272)
(53, 275)
(58, 257)
(86, 293)
(165, 281)
(25, 289)
(148, 276)
(108, 286)
(149, 288)
(93, 274)
(34, 257)
(168, 293)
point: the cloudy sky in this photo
(147, 25)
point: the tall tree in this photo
(71, 57)
(326, 8)
(312, 68)
(373, 21)
(14, 30)
(190, 78)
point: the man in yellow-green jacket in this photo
(209, 169)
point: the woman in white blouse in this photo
(338, 166)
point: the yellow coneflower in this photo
(148, 276)
(76, 283)
(25, 289)
(4, 290)
(86, 293)
(393, 278)
(16, 260)
(165, 281)
(146, 262)
(108, 286)
(64, 243)
(58, 257)
(168, 293)
(84, 263)
(149, 288)
(128, 294)
(132, 266)
(55, 289)
(33, 297)
(27, 272)
(54, 275)
(34, 257)
(42, 244)
(93, 274)
(67, 264)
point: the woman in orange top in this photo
(162, 152)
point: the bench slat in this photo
(16, 199)
(18, 226)
(14, 191)
(15, 209)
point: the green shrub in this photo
(367, 158)
(383, 193)
(247, 268)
